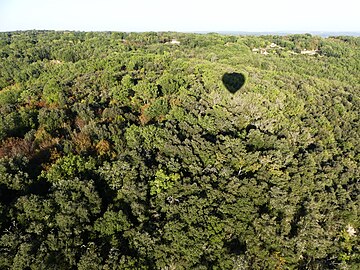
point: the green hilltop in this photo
(179, 151)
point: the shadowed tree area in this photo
(233, 81)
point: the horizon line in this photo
(234, 32)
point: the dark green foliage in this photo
(124, 151)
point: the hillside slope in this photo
(179, 151)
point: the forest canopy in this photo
(179, 151)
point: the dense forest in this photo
(179, 151)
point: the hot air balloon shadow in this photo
(233, 81)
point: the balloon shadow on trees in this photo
(233, 81)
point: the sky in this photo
(181, 15)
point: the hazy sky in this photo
(181, 15)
